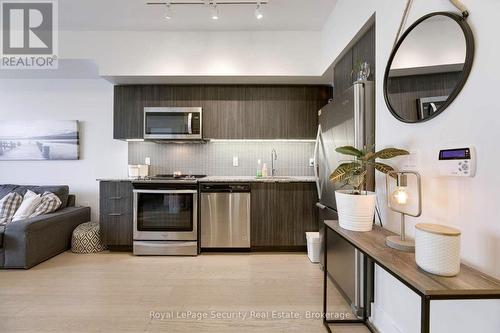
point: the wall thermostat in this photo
(459, 162)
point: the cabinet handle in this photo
(115, 198)
(115, 214)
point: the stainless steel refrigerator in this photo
(348, 120)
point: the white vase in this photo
(356, 212)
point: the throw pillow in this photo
(50, 203)
(30, 202)
(8, 206)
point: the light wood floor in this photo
(117, 292)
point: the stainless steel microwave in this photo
(173, 123)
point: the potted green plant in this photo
(356, 206)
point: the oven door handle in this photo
(167, 191)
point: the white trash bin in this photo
(313, 246)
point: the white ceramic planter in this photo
(356, 212)
(437, 249)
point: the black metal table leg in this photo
(425, 314)
(365, 288)
(325, 277)
(368, 293)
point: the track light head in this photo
(258, 12)
(215, 12)
(168, 11)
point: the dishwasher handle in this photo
(225, 188)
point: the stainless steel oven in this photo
(165, 218)
(169, 123)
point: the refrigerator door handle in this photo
(316, 164)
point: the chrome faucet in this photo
(274, 157)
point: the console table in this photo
(468, 284)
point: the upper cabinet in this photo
(128, 120)
(346, 68)
(229, 111)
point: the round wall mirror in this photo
(428, 67)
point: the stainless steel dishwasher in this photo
(225, 216)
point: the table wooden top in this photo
(469, 282)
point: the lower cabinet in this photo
(116, 209)
(263, 214)
(281, 215)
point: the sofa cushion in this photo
(49, 204)
(62, 191)
(9, 204)
(2, 230)
(31, 200)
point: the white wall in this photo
(87, 100)
(465, 203)
(161, 53)
(473, 119)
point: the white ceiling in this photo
(136, 15)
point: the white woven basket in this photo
(356, 212)
(437, 249)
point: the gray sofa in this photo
(26, 243)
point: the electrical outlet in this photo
(311, 162)
(235, 161)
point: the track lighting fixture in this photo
(168, 11)
(258, 11)
(215, 11)
(213, 5)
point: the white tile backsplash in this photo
(216, 158)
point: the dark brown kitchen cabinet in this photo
(229, 111)
(128, 118)
(281, 215)
(364, 50)
(115, 210)
(297, 202)
(263, 214)
(346, 68)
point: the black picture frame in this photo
(424, 103)
(469, 59)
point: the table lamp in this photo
(398, 200)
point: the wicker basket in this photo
(437, 249)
